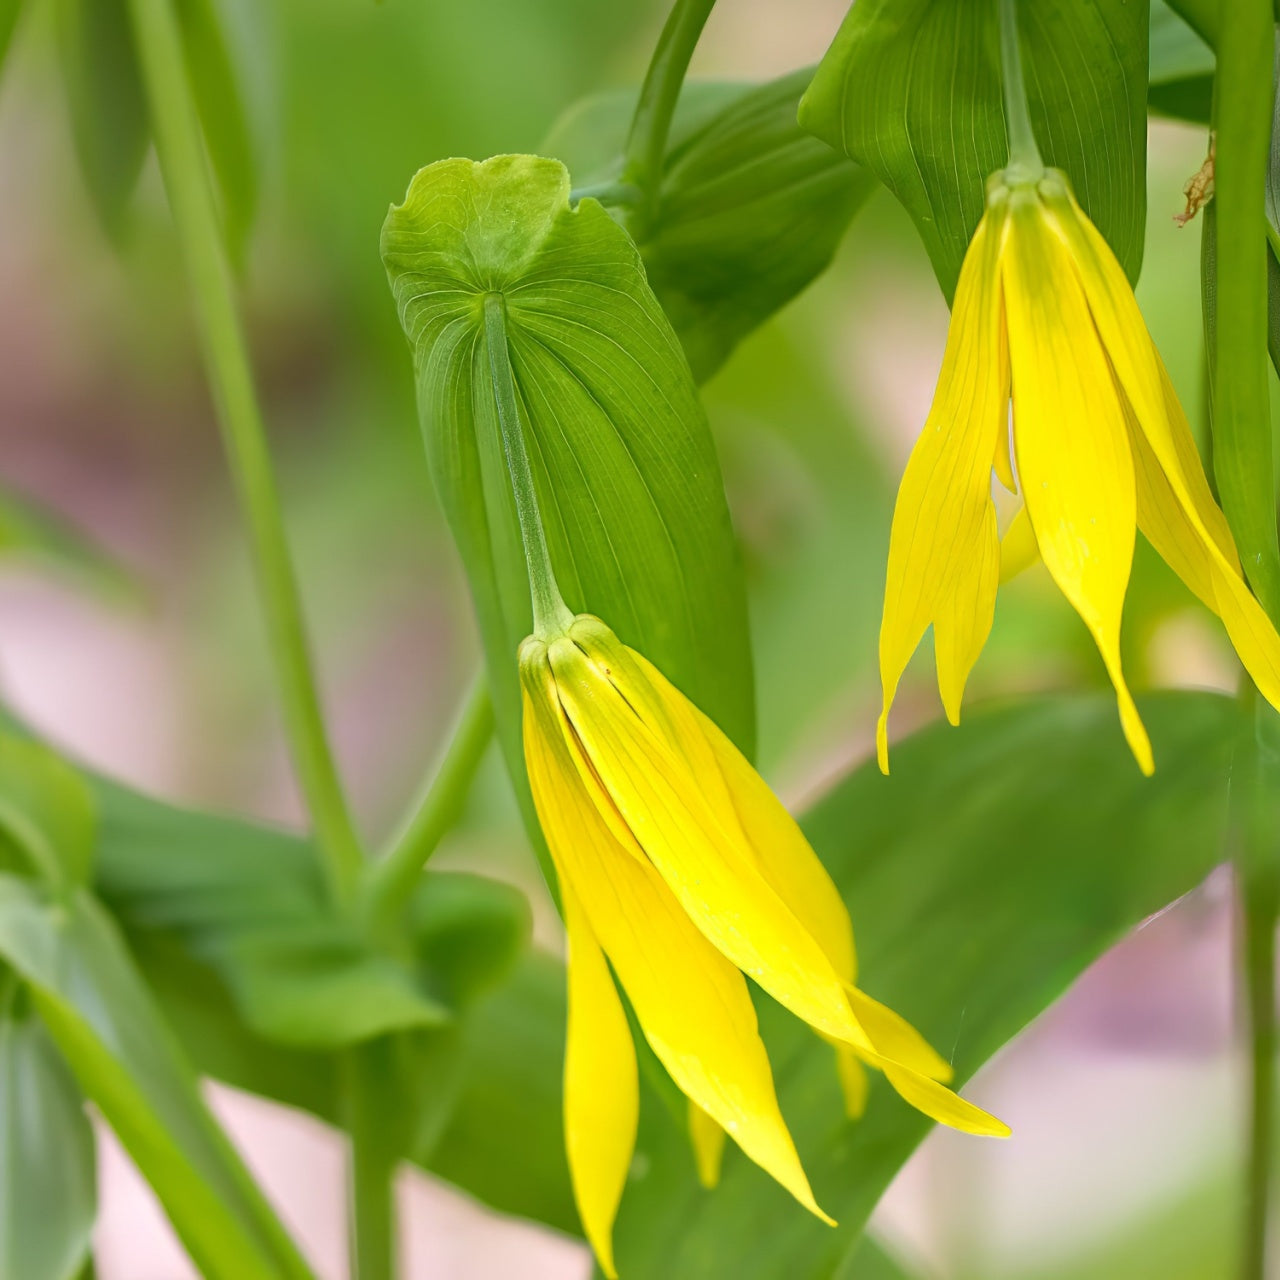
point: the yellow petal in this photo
(943, 520)
(708, 1145)
(1214, 579)
(853, 1081)
(1176, 507)
(1138, 369)
(1018, 549)
(896, 1040)
(1070, 440)
(940, 1104)
(601, 1089)
(705, 862)
(963, 619)
(1004, 459)
(770, 834)
(692, 1004)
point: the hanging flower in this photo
(680, 868)
(1099, 447)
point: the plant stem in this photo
(369, 1089)
(1243, 97)
(551, 616)
(180, 147)
(1254, 779)
(1242, 455)
(651, 123)
(1024, 152)
(392, 879)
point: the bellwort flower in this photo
(680, 872)
(1098, 448)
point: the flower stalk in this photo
(180, 148)
(551, 617)
(651, 124)
(1024, 152)
(393, 877)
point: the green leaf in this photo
(46, 812)
(182, 882)
(994, 864)
(250, 902)
(505, 1139)
(911, 89)
(224, 119)
(625, 469)
(1182, 66)
(103, 1020)
(32, 534)
(48, 1198)
(749, 210)
(109, 118)
(468, 932)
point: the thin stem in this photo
(1024, 152)
(179, 145)
(647, 141)
(1253, 778)
(392, 879)
(369, 1091)
(550, 614)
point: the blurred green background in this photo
(104, 418)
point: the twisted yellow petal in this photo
(601, 1088)
(707, 1138)
(1070, 440)
(692, 1004)
(1018, 549)
(944, 545)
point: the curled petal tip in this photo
(882, 743)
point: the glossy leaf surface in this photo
(626, 474)
(912, 89)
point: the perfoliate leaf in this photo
(109, 119)
(1182, 65)
(48, 1196)
(912, 89)
(625, 470)
(749, 210)
(102, 1018)
(46, 813)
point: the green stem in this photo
(1024, 152)
(393, 878)
(651, 123)
(180, 147)
(1242, 456)
(1243, 97)
(1254, 777)
(551, 616)
(369, 1090)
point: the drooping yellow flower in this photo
(1099, 447)
(679, 866)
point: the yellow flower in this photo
(679, 866)
(1100, 447)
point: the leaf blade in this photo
(912, 90)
